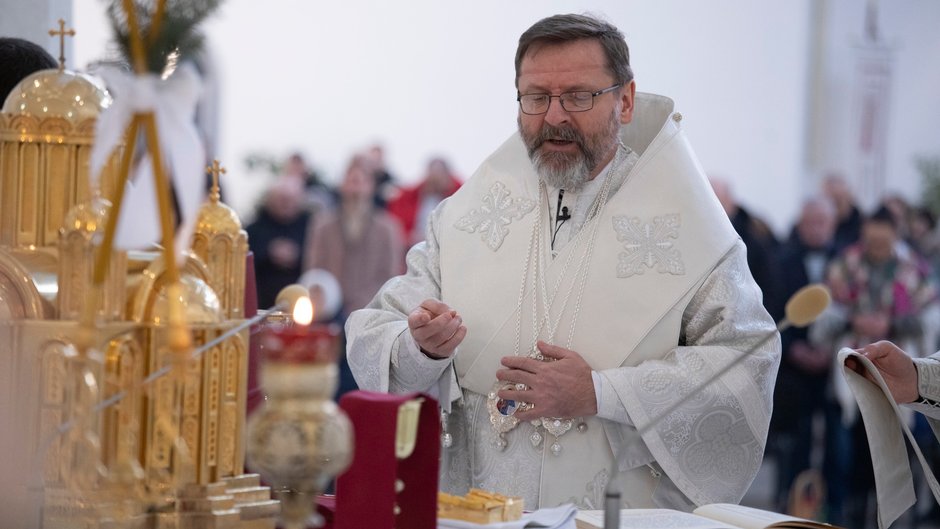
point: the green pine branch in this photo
(177, 31)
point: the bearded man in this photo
(580, 282)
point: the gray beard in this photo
(570, 175)
(568, 171)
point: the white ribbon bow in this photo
(173, 103)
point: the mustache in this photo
(549, 132)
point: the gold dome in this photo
(200, 303)
(87, 217)
(58, 93)
(216, 218)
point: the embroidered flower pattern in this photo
(594, 499)
(492, 219)
(721, 448)
(648, 245)
(929, 378)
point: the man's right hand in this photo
(436, 328)
(896, 368)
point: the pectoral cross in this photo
(62, 33)
(215, 170)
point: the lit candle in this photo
(301, 341)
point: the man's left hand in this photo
(561, 387)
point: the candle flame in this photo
(303, 311)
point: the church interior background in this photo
(774, 94)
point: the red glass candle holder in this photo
(318, 343)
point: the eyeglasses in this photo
(577, 101)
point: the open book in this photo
(714, 516)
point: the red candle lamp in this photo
(298, 439)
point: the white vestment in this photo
(667, 301)
(884, 424)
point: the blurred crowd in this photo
(881, 267)
(343, 241)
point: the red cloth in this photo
(255, 396)
(405, 206)
(365, 493)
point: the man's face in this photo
(878, 240)
(839, 193)
(357, 183)
(285, 199)
(570, 148)
(817, 226)
(437, 178)
(920, 227)
(295, 166)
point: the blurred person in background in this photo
(922, 235)
(924, 240)
(386, 185)
(848, 215)
(414, 205)
(803, 378)
(901, 211)
(319, 196)
(357, 242)
(757, 236)
(277, 236)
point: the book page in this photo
(646, 518)
(750, 518)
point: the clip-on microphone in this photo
(561, 213)
(802, 309)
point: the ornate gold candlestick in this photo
(298, 440)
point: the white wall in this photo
(32, 20)
(426, 77)
(910, 28)
(765, 87)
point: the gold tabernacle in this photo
(67, 463)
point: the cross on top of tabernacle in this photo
(62, 33)
(215, 170)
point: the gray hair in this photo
(559, 29)
(821, 203)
